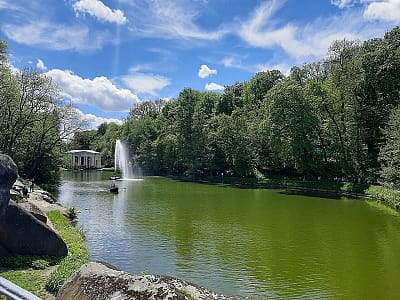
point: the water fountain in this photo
(121, 160)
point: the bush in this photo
(72, 214)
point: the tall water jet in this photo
(121, 160)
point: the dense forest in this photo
(336, 117)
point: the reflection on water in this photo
(240, 241)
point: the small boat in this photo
(114, 177)
(114, 189)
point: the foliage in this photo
(390, 152)
(72, 214)
(83, 140)
(104, 142)
(388, 196)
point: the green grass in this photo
(29, 279)
(77, 251)
(31, 272)
(188, 294)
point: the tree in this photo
(83, 140)
(260, 84)
(141, 136)
(105, 143)
(3, 52)
(389, 155)
(292, 127)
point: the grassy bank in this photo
(43, 276)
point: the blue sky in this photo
(106, 55)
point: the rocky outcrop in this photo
(100, 281)
(34, 210)
(3, 251)
(8, 175)
(22, 233)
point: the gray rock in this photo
(46, 196)
(14, 195)
(8, 175)
(3, 251)
(99, 281)
(34, 210)
(22, 233)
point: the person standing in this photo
(30, 185)
(25, 191)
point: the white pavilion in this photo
(85, 159)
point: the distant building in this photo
(85, 159)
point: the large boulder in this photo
(96, 280)
(8, 175)
(21, 233)
(3, 251)
(34, 210)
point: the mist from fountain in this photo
(121, 160)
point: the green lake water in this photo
(263, 243)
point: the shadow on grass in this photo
(28, 261)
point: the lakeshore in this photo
(43, 276)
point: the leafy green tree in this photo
(102, 129)
(390, 153)
(260, 84)
(105, 142)
(292, 127)
(3, 52)
(33, 122)
(231, 99)
(83, 140)
(380, 89)
(141, 136)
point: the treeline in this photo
(33, 121)
(335, 117)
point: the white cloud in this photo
(388, 10)
(54, 36)
(40, 65)
(258, 31)
(99, 92)
(102, 12)
(342, 3)
(4, 4)
(205, 71)
(147, 83)
(309, 41)
(171, 19)
(93, 121)
(214, 87)
(236, 63)
(284, 68)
